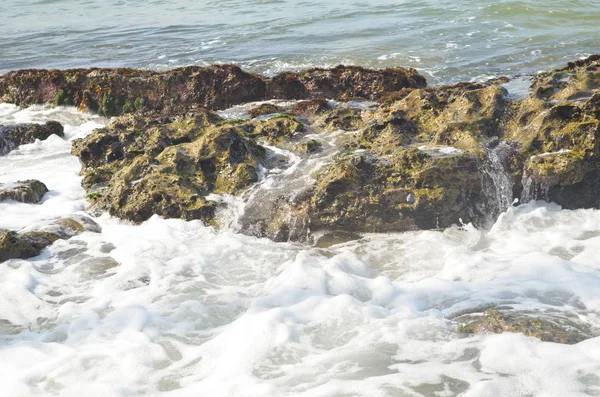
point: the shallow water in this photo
(174, 308)
(446, 40)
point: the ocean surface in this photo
(174, 308)
(448, 40)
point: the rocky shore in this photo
(318, 156)
(418, 158)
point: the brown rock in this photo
(117, 91)
(29, 191)
(11, 136)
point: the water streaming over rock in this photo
(497, 184)
(6, 144)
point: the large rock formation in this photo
(117, 91)
(145, 164)
(557, 129)
(421, 158)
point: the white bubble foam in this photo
(175, 308)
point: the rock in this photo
(265, 108)
(557, 130)
(277, 130)
(313, 107)
(423, 158)
(133, 171)
(341, 118)
(417, 163)
(134, 135)
(309, 147)
(343, 83)
(11, 136)
(410, 190)
(14, 245)
(29, 191)
(30, 241)
(117, 91)
(546, 327)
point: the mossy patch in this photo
(61, 98)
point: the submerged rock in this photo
(29, 191)
(30, 241)
(116, 91)
(548, 328)
(11, 136)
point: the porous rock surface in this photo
(420, 158)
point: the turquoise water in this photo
(446, 40)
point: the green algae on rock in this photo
(151, 165)
(343, 83)
(557, 129)
(422, 158)
(264, 109)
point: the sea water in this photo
(175, 308)
(447, 40)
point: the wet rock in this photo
(14, 245)
(29, 191)
(342, 83)
(265, 108)
(547, 327)
(408, 190)
(459, 115)
(557, 130)
(11, 136)
(309, 147)
(277, 129)
(116, 91)
(341, 118)
(313, 107)
(423, 158)
(30, 241)
(170, 168)
(417, 163)
(105, 151)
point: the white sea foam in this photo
(175, 308)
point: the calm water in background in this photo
(448, 40)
